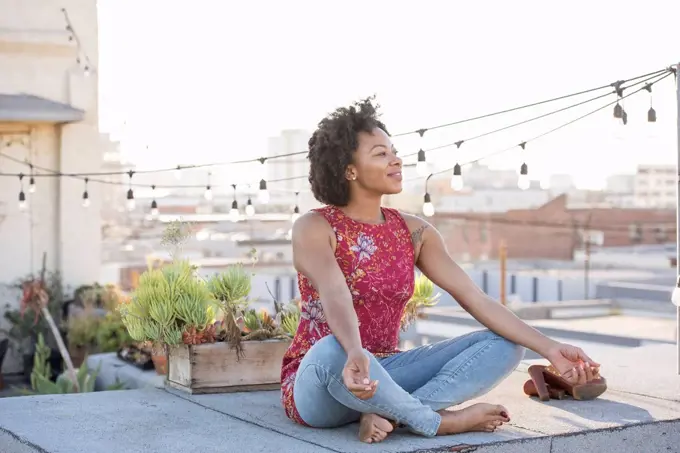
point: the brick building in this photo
(552, 231)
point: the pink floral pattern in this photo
(378, 263)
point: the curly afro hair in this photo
(332, 146)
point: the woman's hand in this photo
(573, 364)
(355, 375)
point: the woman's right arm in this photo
(314, 257)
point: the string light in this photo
(263, 167)
(523, 182)
(428, 207)
(651, 113)
(86, 195)
(208, 194)
(263, 195)
(130, 193)
(31, 183)
(233, 213)
(154, 204)
(23, 204)
(83, 60)
(457, 182)
(421, 165)
(296, 209)
(250, 209)
(457, 178)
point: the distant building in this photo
(49, 117)
(655, 186)
(551, 231)
(620, 184)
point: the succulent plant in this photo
(423, 297)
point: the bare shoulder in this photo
(311, 226)
(419, 228)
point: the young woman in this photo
(356, 263)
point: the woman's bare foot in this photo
(478, 417)
(373, 428)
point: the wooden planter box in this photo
(214, 368)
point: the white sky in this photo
(205, 81)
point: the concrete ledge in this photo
(640, 412)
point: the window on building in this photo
(635, 233)
(661, 233)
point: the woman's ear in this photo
(350, 173)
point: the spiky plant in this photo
(231, 288)
(289, 318)
(259, 325)
(423, 297)
(168, 303)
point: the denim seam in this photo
(464, 366)
(353, 396)
(434, 353)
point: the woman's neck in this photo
(368, 210)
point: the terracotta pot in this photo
(78, 354)
(160, 363)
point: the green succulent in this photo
(423, 297)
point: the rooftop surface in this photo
(639, 413)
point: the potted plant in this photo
(82, 336)
(423, 297)
(213, 342)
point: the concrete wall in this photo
(38, 59)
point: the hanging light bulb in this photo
(428, 207)
(130, 193)
(31, 182)
(130, 200)
(86, 195)
(23, 204)
(651, 113)
(233, 213)
(421, 165)
(263, 195)
(208, 194)
(618, 111)
(457, 178)
(250, 209)
(178, 172)
(154, 205)
(296, 209)
(523, 182)
(86, 71)
(295, 215)
(675, 295)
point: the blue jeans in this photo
(413, 385)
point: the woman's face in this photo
(376, 167)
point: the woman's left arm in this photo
(435, 262)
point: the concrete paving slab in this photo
(264, 409)
(640, 411)
(132, 421)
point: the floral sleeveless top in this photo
(378, 263)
